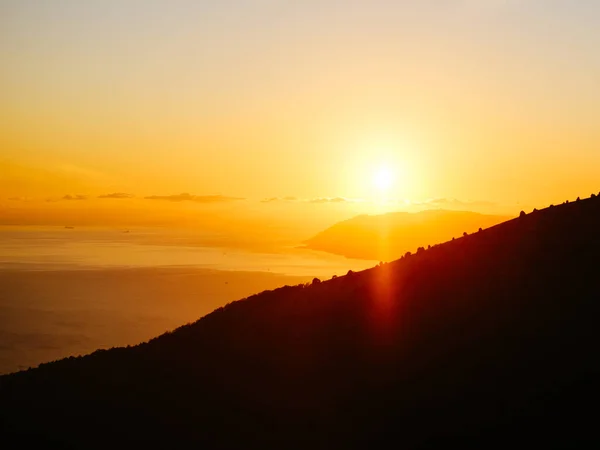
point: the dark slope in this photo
(490, 340)
(384, 237)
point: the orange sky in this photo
(489, 102)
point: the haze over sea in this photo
(71, 291)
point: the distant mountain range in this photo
(388, 236)
(488, 341)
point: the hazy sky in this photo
(491, 100)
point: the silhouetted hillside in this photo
(488, 341)
(385, 237)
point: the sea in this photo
(68, 291)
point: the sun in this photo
(383, 179)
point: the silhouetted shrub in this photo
(428, 247)
(480, 230)
(350, 273)
(407, 254)
(593, 195)
(577, 199)
(316, 281)
(522, 214)
(334, 277)
(535, 210)
(420, 249)
(465, 234)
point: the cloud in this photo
(454, 202)
(449, 203)
(271, 200)
(185, 197)
(316, 200)
(279, 199)
(116, 195)
(328, 200)
(67, 197)
(74, 197)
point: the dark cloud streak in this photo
(74, 197)
(328, 200)
(118, 195)
(185, 197)
(317, 200)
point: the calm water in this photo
(70, 291)
(60, 248)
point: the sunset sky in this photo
(485, 102)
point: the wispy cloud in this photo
(449, 203)
(279, 199)
(68, 197)
(455, 202)
(74, 197)
(328, 200)
(185, 197)
(118, 195)
(316, 200)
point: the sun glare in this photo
(383, 179)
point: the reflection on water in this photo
(49, 249)
(70, 291)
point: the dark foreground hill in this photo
(488, 341)
(384, 237)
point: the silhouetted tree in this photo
(350, 273)
(316, 281)
(407, 254)
(420, 249)
(577, 199)
(480, 230)
(465, 234)
(522, 214)
(593, 195)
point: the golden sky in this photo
(491, 102)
